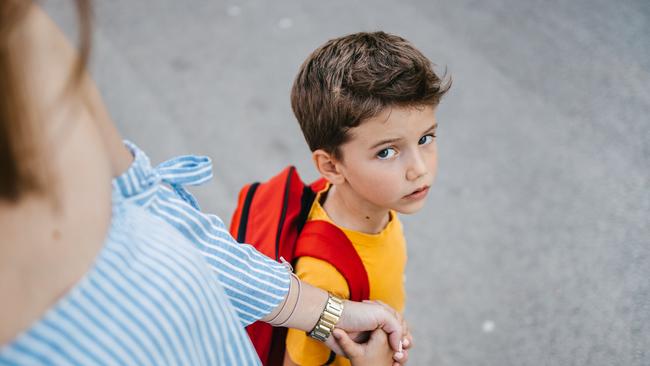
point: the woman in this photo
(92, 273)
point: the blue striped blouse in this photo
(169, 287)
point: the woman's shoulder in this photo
(138, 237)
(149, 298)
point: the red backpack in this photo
(272, 216)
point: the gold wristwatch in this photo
(328, 319)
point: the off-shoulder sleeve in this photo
(254, 283)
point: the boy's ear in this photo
(328, 166)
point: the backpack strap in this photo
(323, 240)
(318, 185)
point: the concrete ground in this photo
(534, 248)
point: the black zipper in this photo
(243, 221)
(285, 200)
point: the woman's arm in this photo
(307, 308)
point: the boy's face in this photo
(391, 160)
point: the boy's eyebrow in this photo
(390, 141)
(433, 127)
(383, 142)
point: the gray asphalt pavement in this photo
(534, 248)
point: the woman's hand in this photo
(375, 352)
(357, 316)
(407, 341)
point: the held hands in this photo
(374, 352)
(389, 336)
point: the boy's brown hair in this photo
(353, 78)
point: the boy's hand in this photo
(374, 352)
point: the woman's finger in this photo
(378, 336)
(393, 327)
(395, 313)
(367, 316)
(407, 340)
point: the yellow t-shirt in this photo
(384, 257)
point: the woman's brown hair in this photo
(18, 150)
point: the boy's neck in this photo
(350, 211)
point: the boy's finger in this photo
(401, 358)
(407, 342)
(404, 359)
(332, 344)
(398, 357)
(348, 346)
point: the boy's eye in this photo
(386, 153)
(426, 139)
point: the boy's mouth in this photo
(418, 193)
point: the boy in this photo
(366, 105)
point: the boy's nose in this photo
(417, 167)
